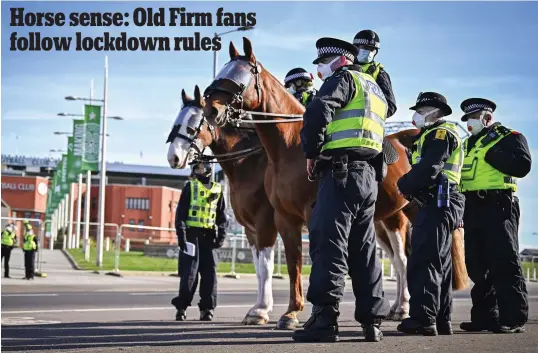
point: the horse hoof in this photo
(254, 320)
(399, 316)
(287, 323)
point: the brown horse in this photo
(244, 83)
(244, 161)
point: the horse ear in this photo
(197, 96)
(233, 52)
(247, 48)
(184, 97)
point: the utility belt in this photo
(490, 194)
(339, 166)
(440, 192)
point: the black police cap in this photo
(367, 37)
(328, 47)
(473, 105)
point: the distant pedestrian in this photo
(9, 241)
(30, 247)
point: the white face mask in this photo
(419, 120)
(291, 89)
(365, 56)
(325, 71)
(475, 126)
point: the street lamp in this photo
(68, 133)
(102, 174)
(81, 115)
(59, 151)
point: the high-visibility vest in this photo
(477, 174)
(8, 238)
(29, 243)
(202, 212)
(361, 123)
(372, 69)
(305, 97)
(453, 165)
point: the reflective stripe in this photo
(358, 113)
(452, 167)
(354, 133)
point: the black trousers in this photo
(429, 268)
(492, 257)
(29, 263)
(202, 264)
(6, 252)
(342, 239)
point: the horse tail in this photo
(460, 277)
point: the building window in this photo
(141, 223)
(137, 203)
(28, 215)
(132, 222)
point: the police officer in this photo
(201, 221)
(301, 84)
(437, 158)
(29, 247)
(343, 130)
(495, 156)
(9, 241)
(367, 41)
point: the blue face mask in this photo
(365, 56)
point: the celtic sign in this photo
(92, 119)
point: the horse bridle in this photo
(237, 116)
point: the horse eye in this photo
(190, 130)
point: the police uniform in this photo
(494, 159)
(200, 220)
(371, 39)
(303, 95)
(344, 128)
(9, 241)
(29, 247)
(437, 157)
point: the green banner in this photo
(92, 118)
(56, 189)
(64, 182)
(71, 172)
(78, 144)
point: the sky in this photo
(459, 49)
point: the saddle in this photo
(390, 156)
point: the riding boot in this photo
(414, 327)
(181, 315)
(321, 327)
(206, 315)
(372, 333)
(444, 328)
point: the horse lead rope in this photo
(241, 112)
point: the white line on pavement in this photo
(31, 295)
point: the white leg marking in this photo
(400, 264)
(265, 284)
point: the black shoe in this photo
(206, 315)
(444, 328)
(372, 333)
(7, 276)
(509, 329)
(181, 315)
(413, 327)
(321, 327)
(472, 326)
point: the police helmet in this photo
(367, 37)
(201, 168)
(297, 74)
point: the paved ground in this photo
(78, 311)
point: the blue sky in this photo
(460, 49)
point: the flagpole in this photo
(87, 200)
(70, 242)
(102, 173)
(79, 203)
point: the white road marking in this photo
(31, 295)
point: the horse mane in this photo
(286, 104)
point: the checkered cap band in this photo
(364, 41)
(478, 106)
(305, 75)
(425, 99)
(335, 51)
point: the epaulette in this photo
(502, 130)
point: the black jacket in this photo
(182, 212)
(510, 155)
(336, 92)
(435, 152)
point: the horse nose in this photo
(176, 161)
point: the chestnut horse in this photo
(244, 88)
(190, 133)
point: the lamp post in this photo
(102, 172)
(215, 68)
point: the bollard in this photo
(278, 273)
(127, 245)
(528, 277)
(391, 270)
(88, 243)
(117, 248)
(107, 244)
(63, 242)
(534, 274)
(232, 273)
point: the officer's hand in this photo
(219, 242)
(181, 240)
(460, 224)
(310, 166)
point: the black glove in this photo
(181, 240)
(219, 242)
